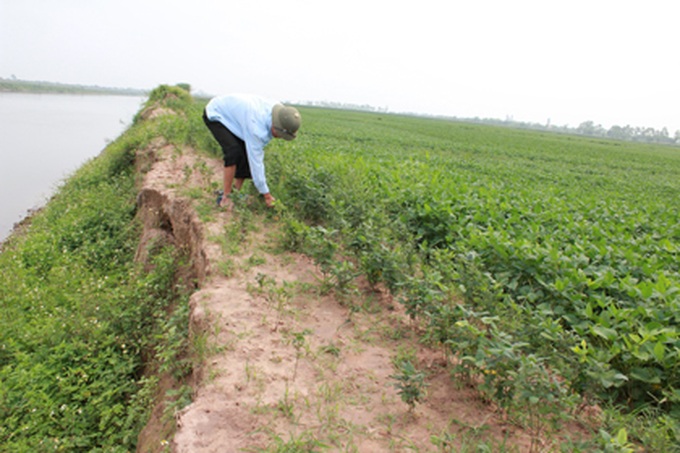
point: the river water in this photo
(46, 137)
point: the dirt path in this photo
(285, 365)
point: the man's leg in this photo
(229, 173)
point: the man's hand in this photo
(269, 200)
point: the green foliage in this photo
(80, 321)
(186, 126)
(185, 86)
(617, 443)
(410, 384)
(542, 258)
(169, 96)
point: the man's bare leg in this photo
(229, 173)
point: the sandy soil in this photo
(287, 367)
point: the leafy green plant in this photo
(277, 296)
(410, 384)
(541, 403)
(299, 342)
(616, 443)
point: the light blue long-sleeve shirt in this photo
(250, 119)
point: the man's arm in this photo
(255, 154)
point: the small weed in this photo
(331, 349)
(276, 296)
(204, 170)
(228, 241)
(404, 353)
(388, 420)
(445, 442)
(395, 331)
(205, 209)
(305, 442)
(301, 346)
(177, 400)
(470, 439)
(255, 260)
(188, 171)
(227, 267)
(195, 193)
(251, 372)
(200, 347)
(410, 383)
(330, 393)
(286, 405)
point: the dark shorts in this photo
(233, 148)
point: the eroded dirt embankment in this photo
(170, 218)
(284, 362)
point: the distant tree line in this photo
(635, 134)
(587, 128)
(346, 106)
(25, 86)
(590, 129)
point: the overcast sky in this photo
(612, 62)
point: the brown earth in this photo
(285, 362)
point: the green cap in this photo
(286, 121)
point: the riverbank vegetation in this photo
(85, 331)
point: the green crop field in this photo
(545, 265)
